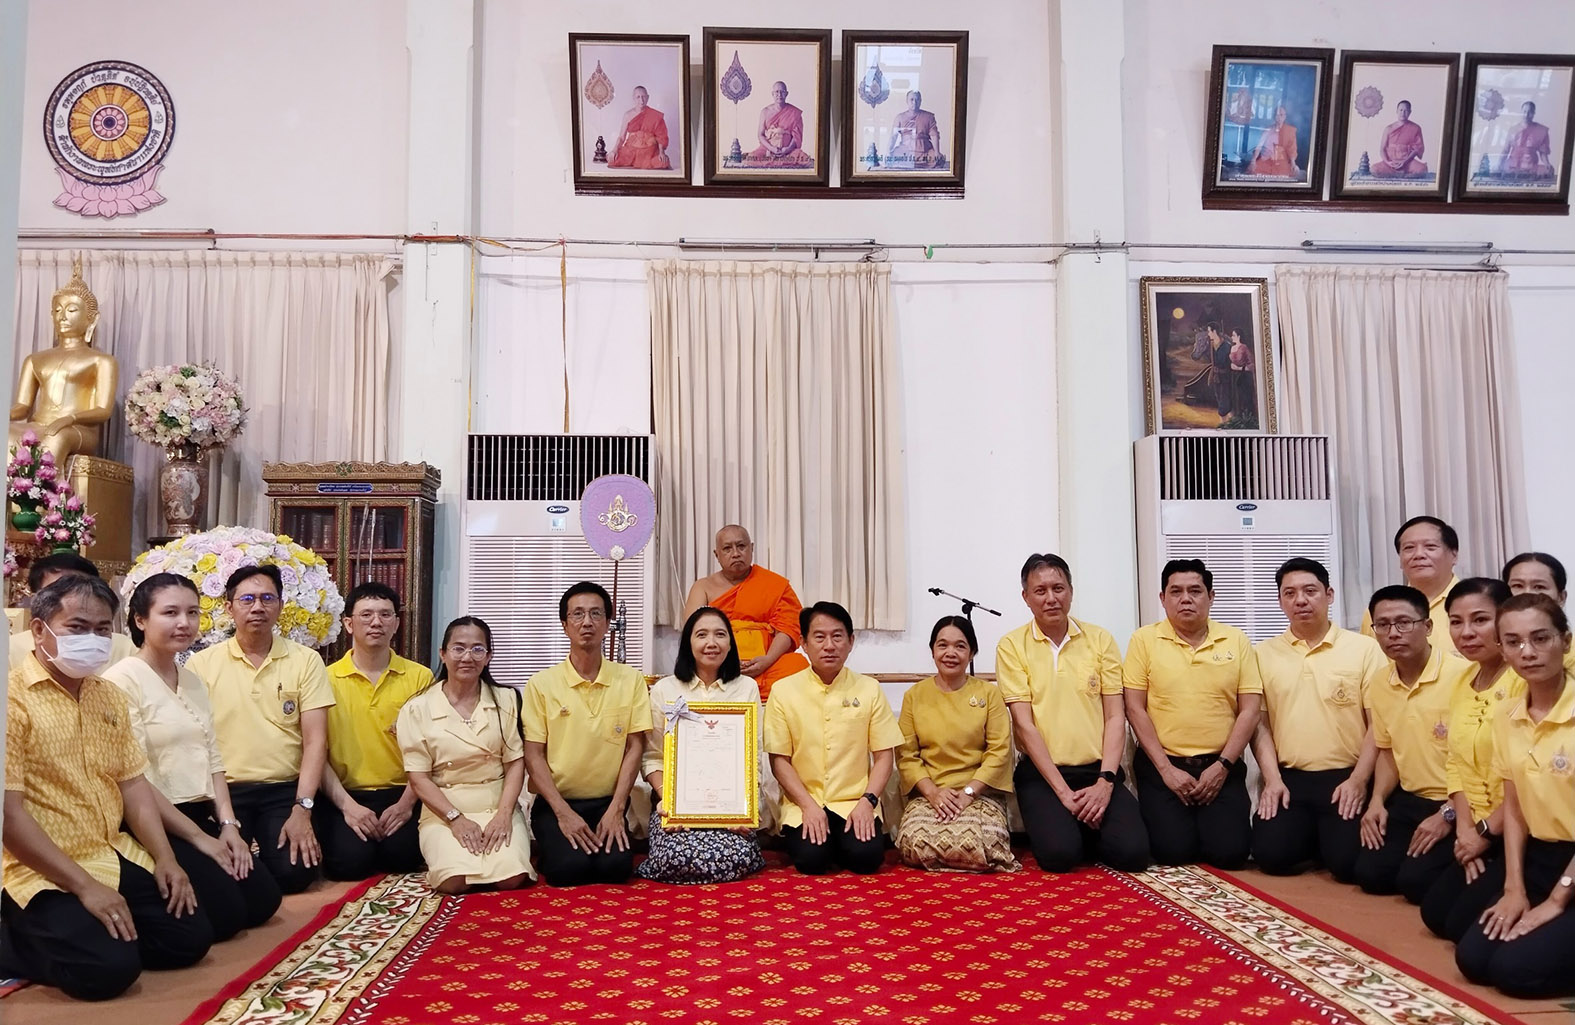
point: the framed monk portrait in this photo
(1268, 117)
(1519, 124)
(1394, 131)
(768, 104)
(629, 102)
(904, 109)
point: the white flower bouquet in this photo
(185, 404)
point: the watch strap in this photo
(873, 800)
(452, 815)
(1228, 763)
(229, 822)
(1108, 776)
(1482, 829)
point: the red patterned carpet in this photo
(1171, 946)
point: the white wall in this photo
(1543, 302)
(289, 116)
(527, 180)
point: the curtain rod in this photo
(784, 245)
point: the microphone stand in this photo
(968, 605)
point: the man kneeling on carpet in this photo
(367, 822)
(585, 720)
(824, 726)
(464, 754)
(85, 907)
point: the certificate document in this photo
(710, 769)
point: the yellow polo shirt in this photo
(1413, 722)
(584, 723)
(1468, 767)
(1438, 633)
(829, 732)
(362, 747)
(1065, 688)
(67, 758)
(1192, 692)
(257, 710)
(1539, 758)
(1313, 696)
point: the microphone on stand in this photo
(968, 605)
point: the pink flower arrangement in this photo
(66, 523)
(10, 560)
(31, 475)
(185, 404)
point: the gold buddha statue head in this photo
(74, 309)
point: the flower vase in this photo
(183, 489)
(27, 516)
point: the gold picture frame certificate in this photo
(711, 767)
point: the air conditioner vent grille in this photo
(1252, 467)
(1243, 569)
(549, 467)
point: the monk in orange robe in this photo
(1400, 151)
(761, 604)
(643, 144)
(1276, 152)
(781, 134)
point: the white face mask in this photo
(80, 655)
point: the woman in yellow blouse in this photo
(1524, 943)
(956, 755)
(1476, 796)
(465, 758)
(173, 722)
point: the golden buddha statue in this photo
(66, 394)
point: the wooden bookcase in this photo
(369, 521)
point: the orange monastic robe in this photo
(761, 605)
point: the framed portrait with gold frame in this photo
(711, 767)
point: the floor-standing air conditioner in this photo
(1243, 504)
(523, 546)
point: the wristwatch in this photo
(1483, 831)
(970, 791)
(1108, 776)
(873, 800)
(1448, 811)
(306, 802)
(229, 822)
(453, 813)
(1229, 765)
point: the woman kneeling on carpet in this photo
(707, 669)
(465, 757)
(955, 755)
(1525, 943)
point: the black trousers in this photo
(841, 848)
(559, 863)
(262, 809)
(1390, 869)
(231, 904)
(54, 941)
(1310, 830)
(1218, 833)
(347, 856)
(1542, 962)
(1060, 842)
(1451, 904)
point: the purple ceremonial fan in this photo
(618, 515)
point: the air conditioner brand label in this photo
(1246, 506)
(557, 510)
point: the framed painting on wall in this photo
(1395, 124)
(629, 99)
(1268, 117)
(768, 101)
(1519, 127)
(1208, 361)
(904, 109)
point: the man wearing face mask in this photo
(86, 906)
(270, 700)
(40, 575)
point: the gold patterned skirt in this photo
(975, 841)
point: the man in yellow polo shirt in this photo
(367, 820)
(833, 743)
(86, 906)
(270, 697)
(1428, 549)
(1409, 821)
(584, 722)
(40, 575)
(1193, 696)
(1310, 745)
(1061, 679)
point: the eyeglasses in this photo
(247, 601)
(581, 615)
(473, 650)
(1536, 641)
(1399, 626)
(382, 616)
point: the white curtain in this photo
(775, 390)
(1412, 374)
(305, 334)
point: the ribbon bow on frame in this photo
(679, 710)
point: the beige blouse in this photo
(434, 739)
(174, 727)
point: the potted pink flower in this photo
(66, 526)
(31, 478)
